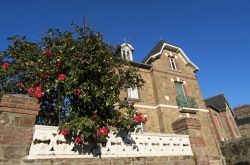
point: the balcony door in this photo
(179, 89)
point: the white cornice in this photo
(168, 106)
(155, 107)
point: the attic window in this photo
(172, 63)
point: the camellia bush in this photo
(76, 78)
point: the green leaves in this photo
(63, 62)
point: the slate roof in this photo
(217, 102)
(156, 49)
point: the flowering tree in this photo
(75, 72)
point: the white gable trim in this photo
(127, 44)
(183, 56)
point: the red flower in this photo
(78, 140)
(31, 91)
(6, 65)
(45, 75)
(78, 91)
(64, 131)
(39, 87)
(38, 94)
(94, 116)
(138, 119)
(104, 131)
(49, 53)
(61, 77)
(59, 66)
(20, 84)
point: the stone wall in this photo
(174, 160)
(237, 151)
(243, 119)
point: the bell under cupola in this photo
(126, 51)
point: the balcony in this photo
(186, 102)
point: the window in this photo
(133, 93)
(126, 55)
(179, 89)
(218, 121)
(172, 63)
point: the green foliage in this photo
(77, 66)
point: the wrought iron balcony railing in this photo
(186, 102)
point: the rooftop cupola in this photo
(127, 51)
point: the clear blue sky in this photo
(215, 34)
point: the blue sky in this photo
(214, 34)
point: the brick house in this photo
(222, 117)
(171, 92)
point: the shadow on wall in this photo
(242, 163)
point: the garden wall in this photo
(17, 120)
(237, 151)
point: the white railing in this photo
(134, 145)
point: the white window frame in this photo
(133, 93)
(172, 63)
(126, 54)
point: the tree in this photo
(76, 78)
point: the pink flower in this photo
(49, 53)
(45, 75)
(38, 94)
(61, 77)
(78, 140)
(20, 84)
(104, 131)
(64, 131)
(39, 87)
(31, 91)
(78, 91)
(6, 65)
(138, 119)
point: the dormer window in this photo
(126, 52)
(127, 55)
(172, 63)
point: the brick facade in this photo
(158, 100)
(222, 118)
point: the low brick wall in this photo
(237, 151)
(185, 160)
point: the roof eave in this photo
(177, 49)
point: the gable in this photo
(161, 46)
(218, 103)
